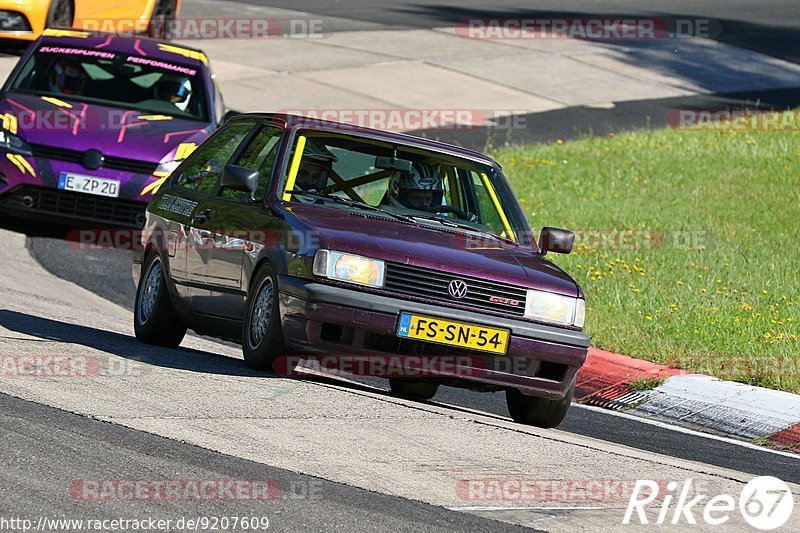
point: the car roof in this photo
(292, 121)
(140, 46)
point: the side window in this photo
(203, 172)
(259, 155)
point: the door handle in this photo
(203, 216)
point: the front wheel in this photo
(412, 389)
(539, 412)
(262, 339)
(154, 319)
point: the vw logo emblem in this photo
(457, 289)
(92, 159)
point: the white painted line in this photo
(737, 409)
(620, 414)
(478, 509)
(688, 431)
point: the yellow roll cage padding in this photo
(339, 184)
(295, 166)
(496, 201)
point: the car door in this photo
(234, 232)
(197, 182)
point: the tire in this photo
(154, 319)
(539, 412)
(60, 15)
(163, 12)
(262, 338)
(412, 389)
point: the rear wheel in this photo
(262, 339)
(60, 14)
(535, 411)
(413, 389)
(154, 319)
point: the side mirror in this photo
(403, 165)
(556, 240)
(240, 178)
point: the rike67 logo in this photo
(765, 503)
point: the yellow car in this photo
(27, 19)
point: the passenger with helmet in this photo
(68, 77)
(419, 189)
(315, 167)
(174, 89)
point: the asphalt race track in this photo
(77, 447)
(106, 273)
(202, 395)
(768, 26)
(372, 461)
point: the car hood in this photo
(467, 254)
(80, 126)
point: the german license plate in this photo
(450, 333)
(88, 184)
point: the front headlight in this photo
(351, 268)
(555, 308)
(166, 168)
(14, 144)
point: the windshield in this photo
(427, 187)
(114, 79)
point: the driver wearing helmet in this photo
(174, 89)
(419, 189)
(315, 166)
(68, 77)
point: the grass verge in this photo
(688, 243)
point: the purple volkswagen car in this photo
(92, 124)
(362, 251)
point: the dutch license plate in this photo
(450, 333)
(88, 184)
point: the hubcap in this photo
(262, 313)
(149, 288)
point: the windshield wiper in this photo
(352, 203)
(463, 225)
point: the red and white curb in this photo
(694, 401)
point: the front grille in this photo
(75, 156)
(110, 211)
(432, 285)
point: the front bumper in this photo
(325, 319)
(51, 205)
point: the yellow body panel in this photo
(123, 16)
